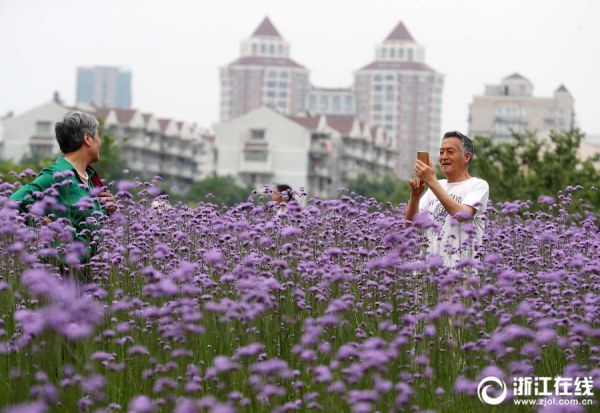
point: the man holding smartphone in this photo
(452, 203)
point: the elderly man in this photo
(79, 141)
(451, 203)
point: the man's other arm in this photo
(450, 205)
(24, 195)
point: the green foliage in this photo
(111, 165)
(388, 188)
(528, 166)
(35, 162)
(224, 189)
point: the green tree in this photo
(35, 162)
(111, 164)
(224, 190)
(388, 188)
(527, 166)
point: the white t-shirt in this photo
(453, 241)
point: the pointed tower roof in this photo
(400, 32)
(515, 76)
(266, 28)
(562, 88)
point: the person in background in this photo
(79, 141)
(451, 203)
(281, 195)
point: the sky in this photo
(175, 48)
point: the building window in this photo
(254, 49)
(257, 133)
(312, 102)
(253, 155)
(263, 49)
(324, 103)
(40, 149)
(377, 78)
(272, 49)
(383, 53)
(280, 49)
(284, 75)
(43, 127)
(337, 103)
(401, 53)
(410, 54)
(348, 103)
(392, 53)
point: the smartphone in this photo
(423, 157)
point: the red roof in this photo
(163, 123)
(384, 65)
(146, 117)
(309, 122)
(125, 115)
(266, 28)
(265, 61)
(342, 124)
(101, 112)
(400, 32)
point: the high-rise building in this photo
(263, 75)
(399, 92)
(104, 86)
(511, 106)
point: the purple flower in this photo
(213, 256)
(141, 404)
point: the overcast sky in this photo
(174, 48)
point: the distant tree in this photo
(388, 188)
(224, 190)
(35, 162)
(111, 165)
(527, 166)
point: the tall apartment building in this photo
(104, 86)
(399, 92)
(511, 106)
(264, 74)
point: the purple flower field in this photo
(334, 307)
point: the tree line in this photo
(525, 167)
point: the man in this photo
(451, 203)
(79, 141)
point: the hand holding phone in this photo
(422, 156)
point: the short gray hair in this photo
(75, 124)
(466, 144)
